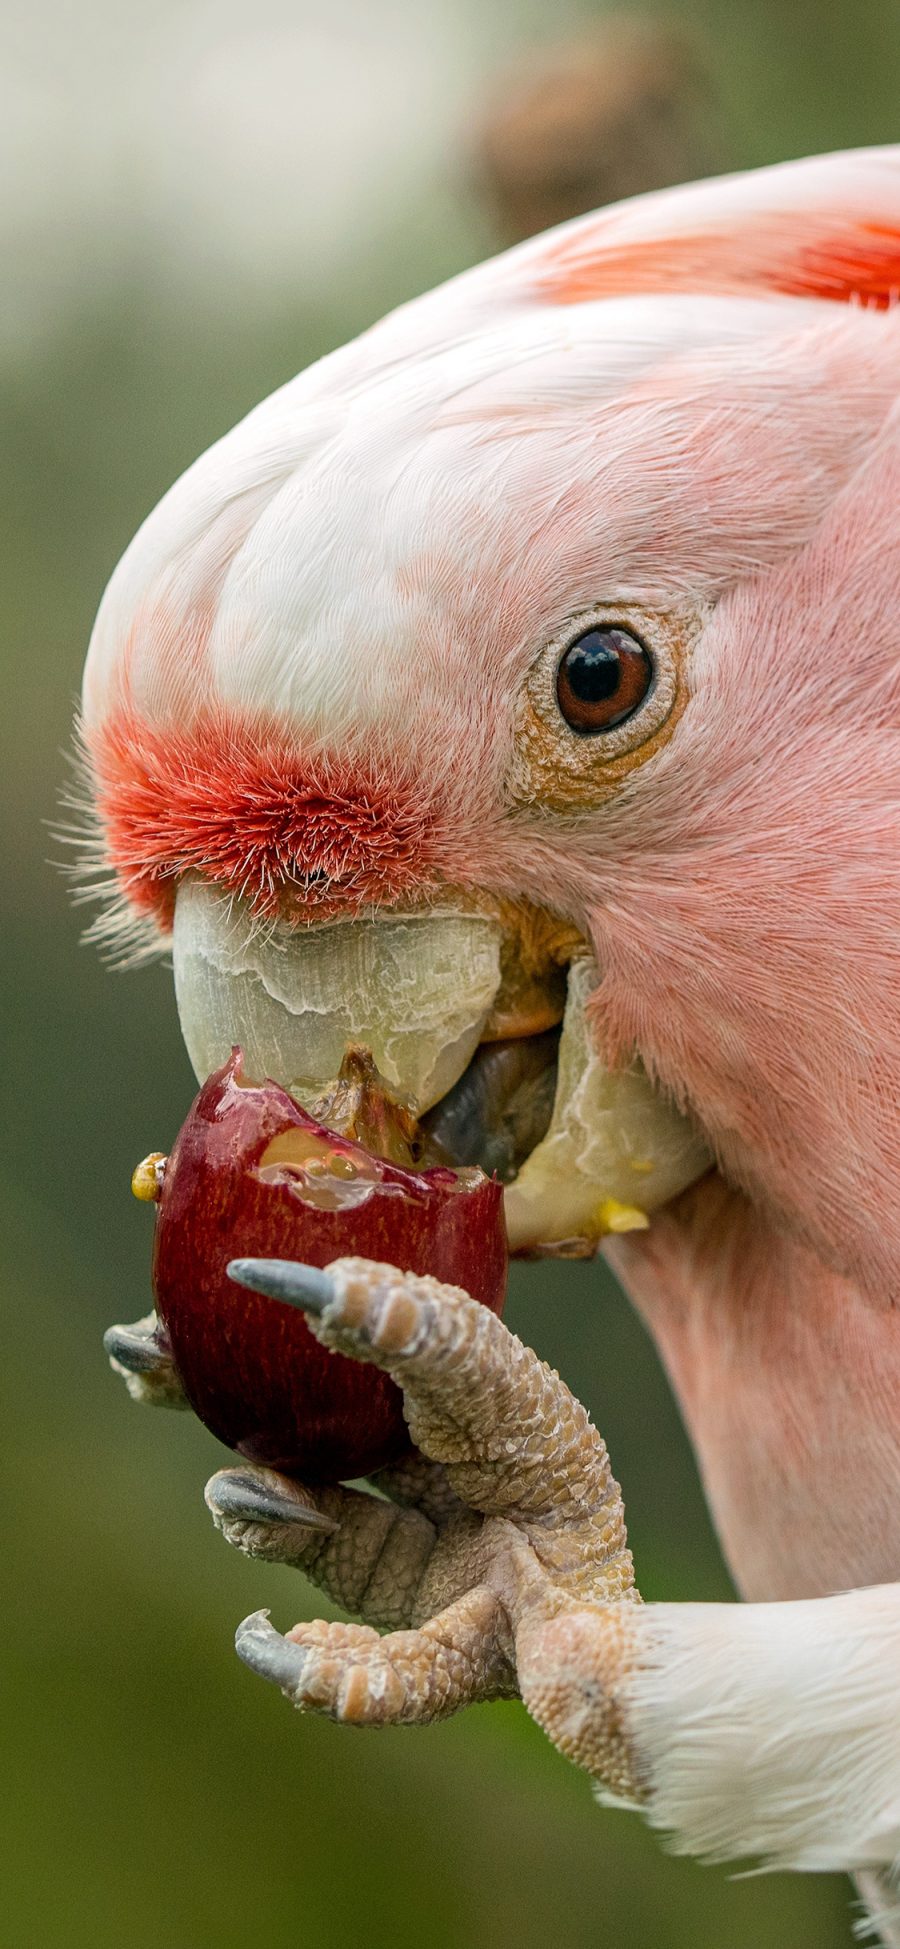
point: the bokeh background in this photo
(196, 198)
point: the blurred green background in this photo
(195, 204)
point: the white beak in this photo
(420, 990)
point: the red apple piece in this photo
(252, 1174)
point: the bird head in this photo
(541, 641)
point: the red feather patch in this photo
(245, 807)
(849, 266)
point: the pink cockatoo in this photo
(564, 599)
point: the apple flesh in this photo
(252, 1174)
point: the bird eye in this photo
(602, 678)
(601, 695)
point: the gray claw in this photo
(286, 1279)
(264, 1649)
(239, 1496)
(136, 1348)
(145, 1364)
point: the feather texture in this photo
(773, 1731)
(827, 228)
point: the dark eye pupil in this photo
(602, 678)
(593, 667)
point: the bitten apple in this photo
(252, 1174)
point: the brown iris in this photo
(603, 677)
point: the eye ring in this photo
(603, 677)
(564, 768)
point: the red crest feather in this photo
(828, 228)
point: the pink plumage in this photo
(310, 663)
(304, 665)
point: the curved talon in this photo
(270, 1655)
(304, 1286)
(136, 1348)
(239, 1496)
(145, 1363)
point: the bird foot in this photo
(499, 1563)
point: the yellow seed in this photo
(146, 1179)
(611, 1216)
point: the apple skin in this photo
(249, 1365)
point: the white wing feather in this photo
(773, 1731)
